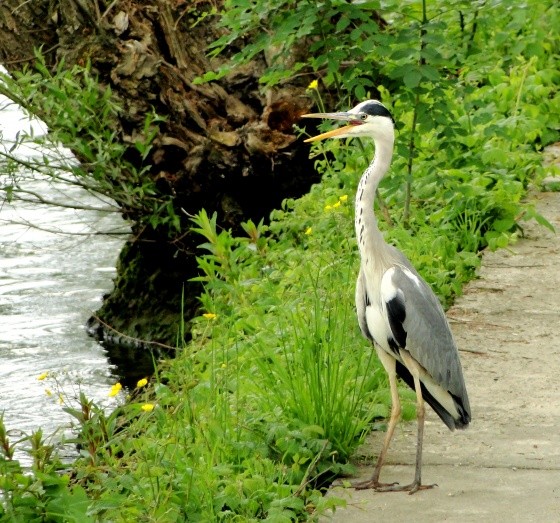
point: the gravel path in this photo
(506, 465)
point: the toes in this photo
(364, 485)
(391, 487)
(415, 487)
(375, 485)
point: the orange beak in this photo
(329, 134)
(347, 117)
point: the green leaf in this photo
(504, 225)
(412, 78)
(401, 53)
(342, 24)
(430, 73)
(70, 507)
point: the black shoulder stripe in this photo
(397, 314)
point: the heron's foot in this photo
(372, 484)
(418, 486)
(413, 487)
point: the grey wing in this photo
(417, 318)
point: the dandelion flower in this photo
(308, 231)
(142, 383)
(328, 207)
(210, 315)
(313, 85)
(115, 389)
(147, 407)
(343, 198)
(41, 377)
(336, 205)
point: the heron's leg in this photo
(390, 366)
(416, 484)
(420, 415)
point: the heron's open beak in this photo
(346, 117)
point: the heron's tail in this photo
(460, 421)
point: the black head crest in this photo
(374, 108)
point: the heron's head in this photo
(368, 119)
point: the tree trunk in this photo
(224, 146)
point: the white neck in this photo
(368, 235)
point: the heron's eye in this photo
(363, 117)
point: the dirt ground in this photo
(506, 465)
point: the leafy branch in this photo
(80, 115)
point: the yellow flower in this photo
(60, 399)
(313, 85)
(42, 376)
(336, 205)
(343, 198)
(115, 389)
(328, 207)
(147, 407)
(210, 315)
(142, 383)
(308, 231)
(48, 392)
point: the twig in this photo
(31, 58)
(109, 7)
(38, 199)
(474, 351)
(30, 225)
(384, 209)
(312, 465)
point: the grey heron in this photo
(397, 310)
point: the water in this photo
(49, 285)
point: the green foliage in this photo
(473, 87)
(296, 330)
(44, 495)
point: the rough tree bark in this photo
(225, 146)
